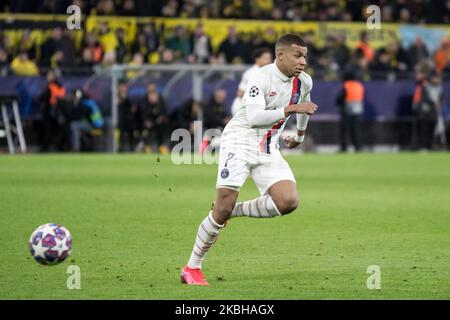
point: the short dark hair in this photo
(289, 39)
(257, 53)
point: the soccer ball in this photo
(50, 244)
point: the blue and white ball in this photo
(50, 244)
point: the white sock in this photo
(207, 234)
(262, 207)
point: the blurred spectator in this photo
(51, 45)
(313, 50)
(351, 103)
(365, 46)
(387, 14)
(87, 60)
(85, 118)
(155, 121)
(107, 38)
(340, 51)
(137, 61)
(428, 107)
(128, 8)
(256, 41)
(404, 16)
(179, 43)
(53, 120)
(105, 8)
(201, 45)
(358, 66)
(140, 46)
(277, 14)
(68, 49)
(167, 56)
(4, 63)
(381, 66)
(232, 47)
(215, 115)
(327, 60)
(417, 52)
(151, 37)
(130, 120)
(109, 58)
(442, 56)
(187, 10)
(121, 49)
(22, 66)
(294, 13)
(26, 44)
(84, 6)
(56, 61)
(5, 41)
(92, 44)
(398, 56)
(170, 9)
(187, 113)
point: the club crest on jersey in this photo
(295, 98)
(254, 91)
(224, 173)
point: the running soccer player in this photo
(261, 57)
(249, 146)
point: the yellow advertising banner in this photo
(217, 29)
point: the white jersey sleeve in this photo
(255, 104)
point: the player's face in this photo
(294, 60)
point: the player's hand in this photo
(307, 107)
(290, 142)
(303, 107)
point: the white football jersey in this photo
(270, 88)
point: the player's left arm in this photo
(302, 123)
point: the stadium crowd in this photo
(145, 125)
(152, 44)
(415, 11)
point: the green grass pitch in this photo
(133, 221)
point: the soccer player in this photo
(261, 57)
(249, 146)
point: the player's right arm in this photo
(303, 107)
(255, 103)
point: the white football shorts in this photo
(235, 165)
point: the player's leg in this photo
(284, 194)
(207, 234)
(224, 203)
(233, 171)
(276, 184)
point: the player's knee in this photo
(288, 204)
(224, 208)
